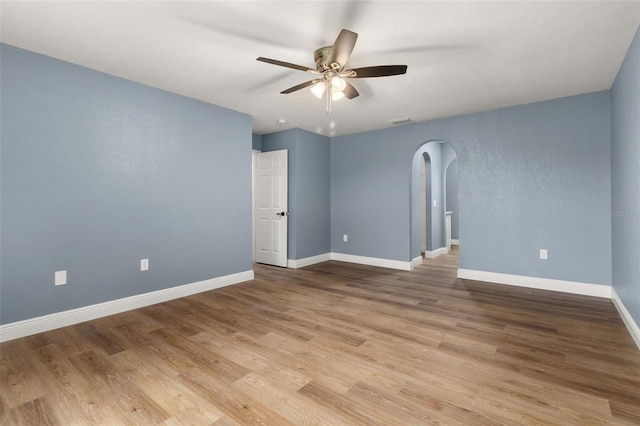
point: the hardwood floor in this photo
(335, 344)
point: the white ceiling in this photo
(462, 57)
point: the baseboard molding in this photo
(455, 242)
(633, 328)
(435, 253)
(416, 261)
(31, 326)
(307, 261)
(372, 261)
(586, 289)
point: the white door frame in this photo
(254, 164)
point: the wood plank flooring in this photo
(335, 344)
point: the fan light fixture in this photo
(337, 88)
(318, 89)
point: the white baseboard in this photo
(435, 253)
(31, 326)
(586, 289)
(416, 261)
(301, 263)
(455, 242)
(633, 328)
(363, 260)
(372, 261)
(574, 287)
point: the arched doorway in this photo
(434, 199)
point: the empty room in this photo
(319, 212)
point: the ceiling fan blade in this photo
(342, 48)
(300, 86)
(350, 92)
(379, 71)
(285, 64)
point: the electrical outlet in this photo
(144, 264)
(345, 238)
(543, 254)
(60, 278)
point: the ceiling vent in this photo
(399, 121)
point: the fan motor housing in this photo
(321, 57)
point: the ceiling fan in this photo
(330, 69)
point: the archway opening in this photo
(434, 200)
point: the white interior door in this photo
(272, 213)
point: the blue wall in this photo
(370, 184)
(452, 197)
(256, 142)
(99, 172)
(531, 176)
(625, 180)
(436, 239)
(309, 220)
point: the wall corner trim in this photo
(416, 261)
(372, 261)
(307, 261)
(633, 328)
(36, 325)
(586, 289)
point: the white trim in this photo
(633, 328)
(301, 263)
(597, 290)
(372, 261)
(423, 249)
(416, 261)
(435, 253)
(254, 165)
(454, 242)
(31, 326)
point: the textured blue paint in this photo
(625, 180)
(416, 198)
(532, 176)
(309, 219)
(452, 197)
(437, 240)
(370, 188)
(256, 142)
(99, 172)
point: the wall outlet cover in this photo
(60, 278)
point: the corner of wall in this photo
(631, 325)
